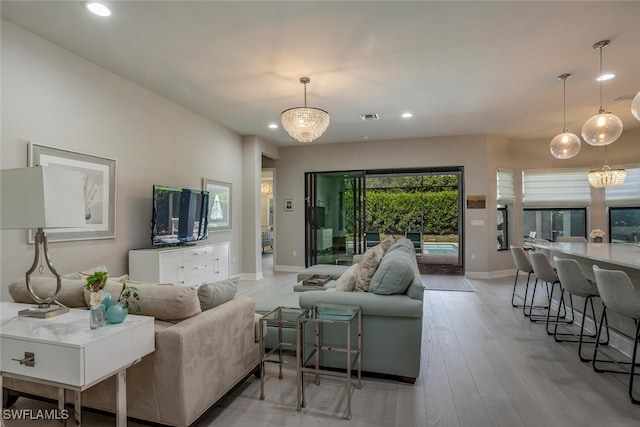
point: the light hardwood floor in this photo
(483, 364)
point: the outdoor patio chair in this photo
(416, 238)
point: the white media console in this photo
(184, 265)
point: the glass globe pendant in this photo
(603, 128)
(566, 145)
(635, 106)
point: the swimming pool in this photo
(440, 248)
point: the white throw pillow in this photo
(347, 281)
(368, 266)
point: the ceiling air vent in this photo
(370, 116)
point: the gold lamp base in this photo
(44, 312)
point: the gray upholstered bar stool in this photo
(522, 264)
(545, 272)
(622, 296)
(574, 283)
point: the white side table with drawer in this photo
(64, 352)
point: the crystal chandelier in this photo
(603, 128)
(305, 124)
(266, 188)
(606, 177)
(565, 145)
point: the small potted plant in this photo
(128, 297)
(100, 299)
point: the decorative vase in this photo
(97, 317)
(116, 313)
(107, 301)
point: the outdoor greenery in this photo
(398, 204)
(397, 212)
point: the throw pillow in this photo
(214, 294)
(170, 303)
(367, 267)
(71, 293)
(347, 281)
(82, 274)
(387, 243)
(394, 275)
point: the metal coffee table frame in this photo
(329, 314)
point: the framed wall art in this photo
(99, 175)
(219, 204)
(288, 205)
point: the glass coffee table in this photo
(333, 316)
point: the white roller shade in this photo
(555, 188)
(505, 192)
(628, 193)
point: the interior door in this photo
(334, 216)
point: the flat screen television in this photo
(179, 215)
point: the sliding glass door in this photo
(334, 216)
(346, 212)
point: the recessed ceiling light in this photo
(97, 8)
(273, 126)
(605, 77)
(406, 115)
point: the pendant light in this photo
(635, 106)
(565, 145)
(305, 124)
(603, 128)
(606, 177)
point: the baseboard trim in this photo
(251, 276)
(288, 268)
(488, 274)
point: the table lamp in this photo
(41, 197)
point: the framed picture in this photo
(219, 204)
(99, 175)
(288, 205)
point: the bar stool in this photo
(545, 272)
(622, 296)
(522, 264)
(574, 283)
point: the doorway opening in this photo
(347, 212)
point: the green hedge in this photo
(395, 213)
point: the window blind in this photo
(555, 188)
(628, 193)
(505, 193)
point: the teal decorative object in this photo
(107, 301)
(116, 313)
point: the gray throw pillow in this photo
(214, 294)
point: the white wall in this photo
(467, 151)
(53, 97)
(480, 156)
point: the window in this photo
(627, 194)
(504, 192)
(550, 223)
(502, 231)
(624, 224)
(555, 188)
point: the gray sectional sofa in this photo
(392, 309)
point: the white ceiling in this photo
(460, 67)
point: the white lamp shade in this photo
(41, 197)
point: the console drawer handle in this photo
(29, 359)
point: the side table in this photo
(279, 317)
(64, 352)
(339, 315)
